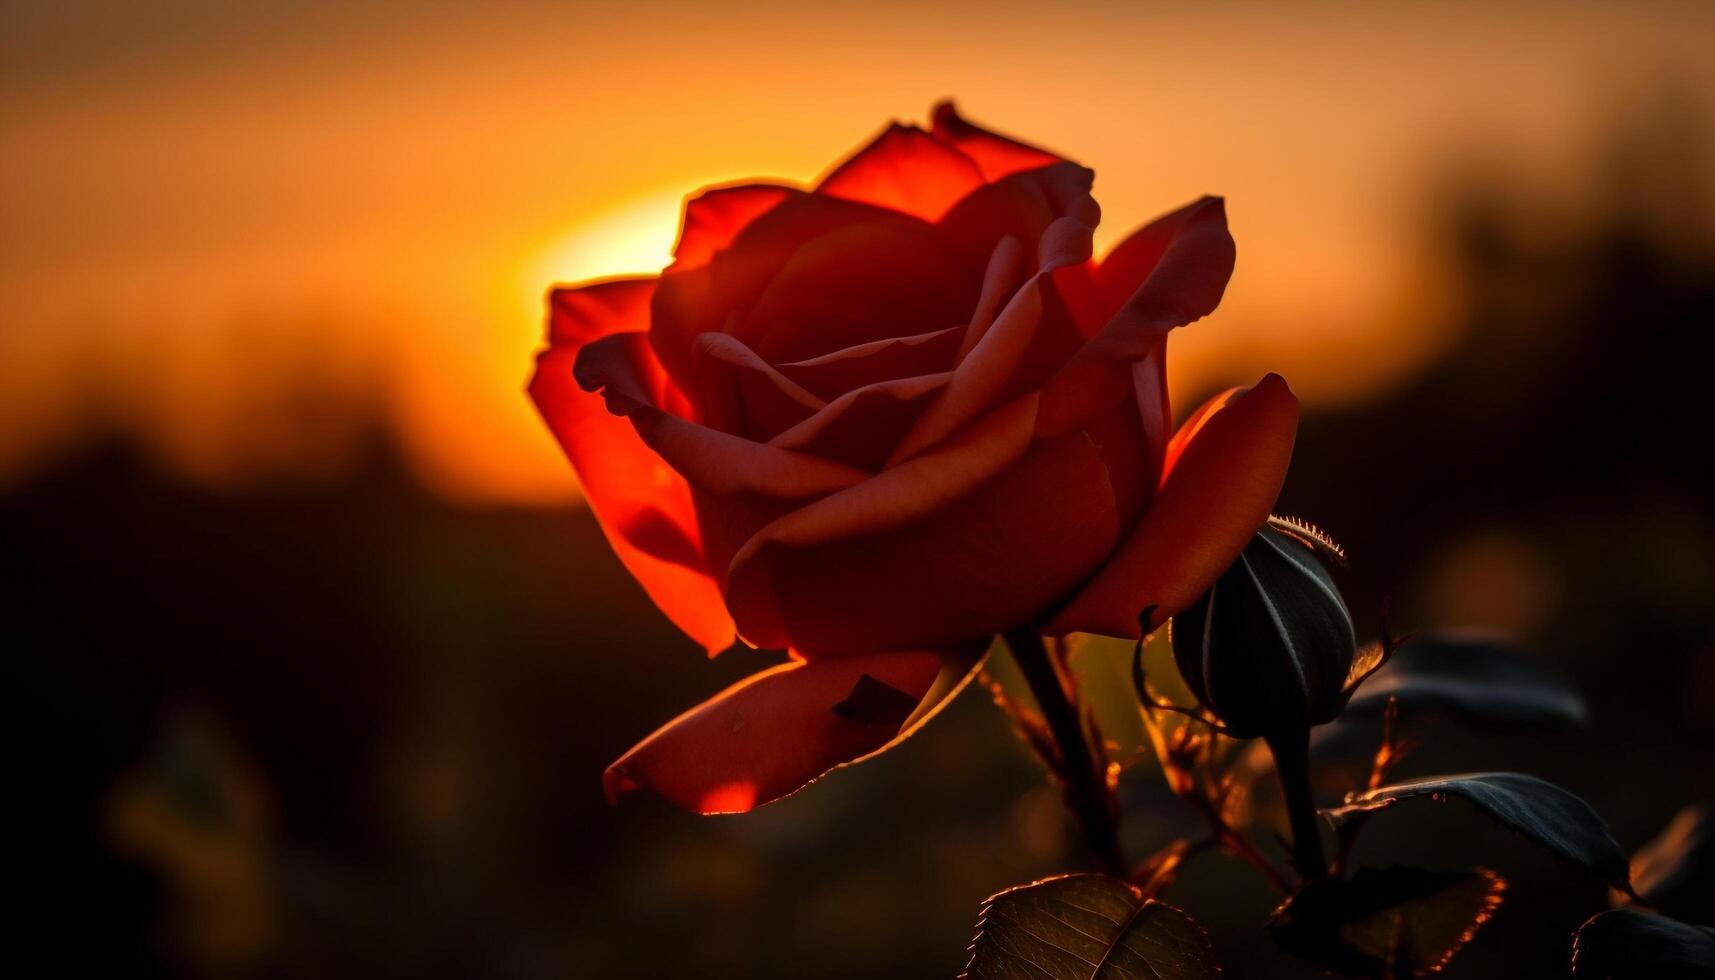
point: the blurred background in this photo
(323, 657)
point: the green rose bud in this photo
(1268, 649)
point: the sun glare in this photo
(494, 447)
(635, 237)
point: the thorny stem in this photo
(1292, 763)
(1085, 785)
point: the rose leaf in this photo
(1539, 810)
(1086, 927)
(1630, 944)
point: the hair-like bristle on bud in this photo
(1310, 536)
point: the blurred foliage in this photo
(1401, 922)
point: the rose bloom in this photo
(876, 422)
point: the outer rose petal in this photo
(643, 507)
(1184, 284)
(997, 156)
(1222, 480)
(580, 314)
(771, 733)
(907, 170)
(716, 215)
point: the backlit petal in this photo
(716, 216)
(643, 507)
(772, 733)
(997, 156)
(907, 170)
(1223, 479)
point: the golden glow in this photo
(396, 188)
(505, 452)
(633, 238)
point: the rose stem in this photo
(1086, 790)
(1292, 763)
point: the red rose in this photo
(879, 421)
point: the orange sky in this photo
(205, 206)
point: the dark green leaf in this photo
(1675, 873)
(1086, 927)
(1478, 682)
(1535, 808)
(1394, 921)
(1629, 944)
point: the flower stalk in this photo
(1292, 763)
(1083, 780)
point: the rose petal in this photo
(907, 170)
(920, 487)
(770, 734)
(1154, 410)
(860, 283)
(643, 507)
(1020, 338)
(997, 156)
(1006, 270)
(1021, 206)
(832, 375)
(973, 537)
(592, 310)
(697, 297)
(729, 520)
(1187, 432)
(897, 497)
(861, 427)
(1129, 265)
(741, 393)
(716, 215)
(1224, 478)
(1183, 285)
(715, 461)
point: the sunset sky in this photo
(219, 217)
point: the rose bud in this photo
(877, 420)
(1269, 647)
